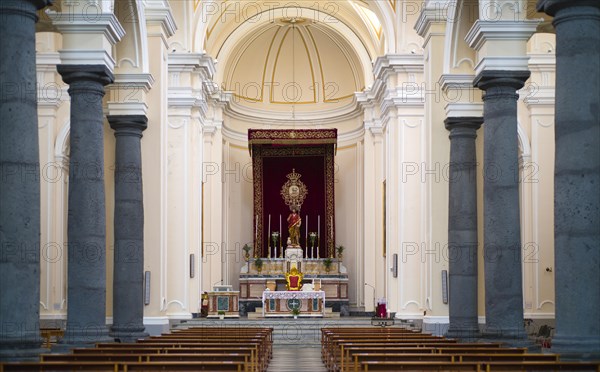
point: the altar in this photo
(283, 303)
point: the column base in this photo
(576, 347)
(464, 334)
(128, 334)
(83, 338)
(514, 338)
(20, 351)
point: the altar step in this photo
(286, 331)
(329, 313)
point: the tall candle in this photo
(318, 233)
(269, 235)
(306, 238)
(256, 229)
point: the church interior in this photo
(406, 165)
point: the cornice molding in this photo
(410, 63)
(464, 109)
(189, 62)
(106, 24)
(142, 81)
(428, 18)
(483, 31)
(458, 81)
(255, 115)
(158, 13)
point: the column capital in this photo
(501, 78)
(463, 122)
(551, 7)
(95, 73)
(128, 125)
(25, 8)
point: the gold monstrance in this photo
(294, 191)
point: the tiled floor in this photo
(296, 358)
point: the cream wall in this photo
(386, 132)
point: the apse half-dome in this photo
(294, 64)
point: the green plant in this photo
(258, 262)
(327, 263)
(296, 310)
(221, 312)
(246, 248)
(339, 249)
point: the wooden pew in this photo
(358, 358)
(60, 366)
(167, 359)
(390, 366)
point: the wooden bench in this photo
(244, 359)
(390, 366)
(358, 358)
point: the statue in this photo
(294, 222)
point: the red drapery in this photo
(274, 155)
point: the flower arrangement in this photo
(258, 262)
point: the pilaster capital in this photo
(128, 125)
(76, 23)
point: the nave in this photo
(299, 345)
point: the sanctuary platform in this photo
(333, 282)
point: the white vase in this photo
(295, 316)
(221, 317)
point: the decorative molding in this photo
(483, 31)
(516, 63)
(87, 57)
(474, 109)
(459, 81)
(158, 12)
(127, 108)
(397, 63)
(106, 24)
(142, 80)
(428, 18)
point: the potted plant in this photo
(247, 249)
(340, 250)
(327, 263)
(296, 311)
(221, 314)
(258, 262)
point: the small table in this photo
(281, 303)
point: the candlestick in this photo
(256, 229)
(269, 236)
(281, 232)
(318, 234)
(306, 238)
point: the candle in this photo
(306, 238)
(318, 233)
(256, 229)
(269, 236)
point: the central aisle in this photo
(296, 358)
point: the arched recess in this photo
(131, 54)
(459, 58)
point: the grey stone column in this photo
(86, 225)
(577, 177)
(462, 227)
(128, 300)
(502, 230)
(19, 182)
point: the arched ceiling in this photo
(303, 56)
(293, 61)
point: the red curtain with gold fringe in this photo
(274, 155)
